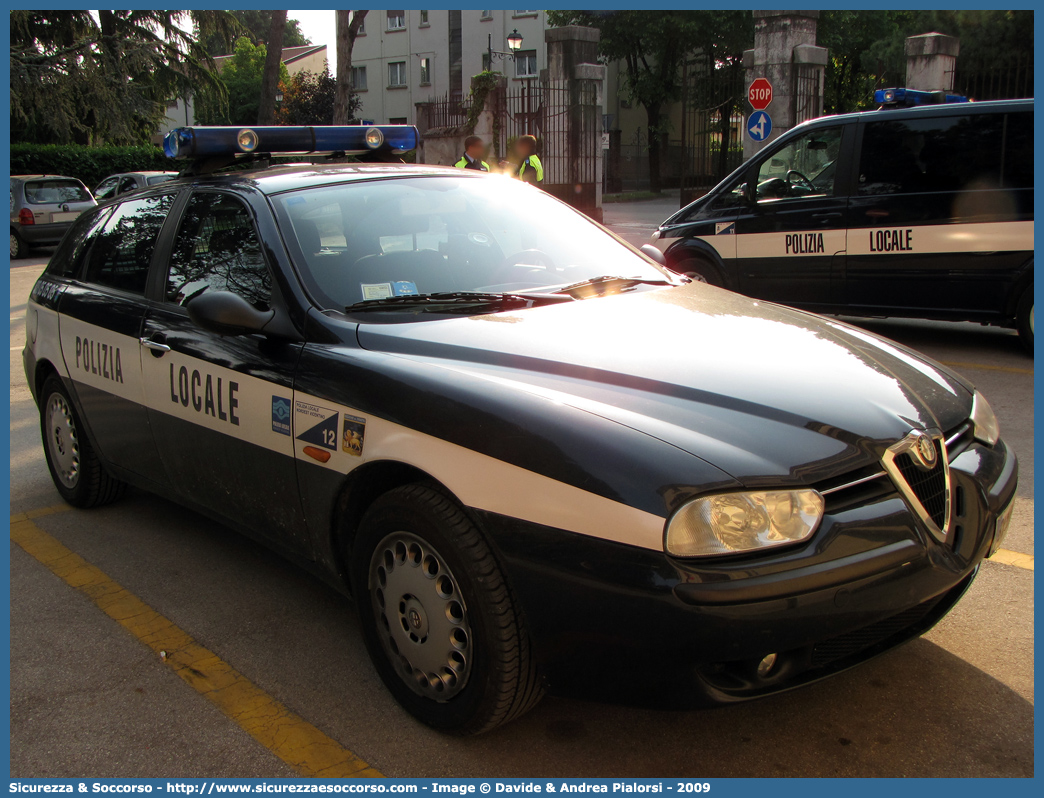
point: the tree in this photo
(239, 101)
(78, 79)
(653, 47)
(348, 25)
(270, 77)
(257, 25)
(308, 99)
(867, 49)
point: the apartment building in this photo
(403, 57)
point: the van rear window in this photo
(49, 192)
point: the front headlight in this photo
(985, 426)
(732, 523)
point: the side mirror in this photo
(652, 252)
(226, 313)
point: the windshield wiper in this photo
(457, 298)
(608, 279)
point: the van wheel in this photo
(77, 472)
(1024, 319)
(700, 270)
(440, 623)
(19, 249)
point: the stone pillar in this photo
(786, 53)
(572, 135)
(931, 59)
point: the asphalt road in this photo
(88, 698)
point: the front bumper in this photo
(615, 621)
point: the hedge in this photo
(89, 164)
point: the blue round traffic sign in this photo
(759, 125)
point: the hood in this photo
(760, 391)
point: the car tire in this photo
(1024, 319)
(700, 270)
(77, 472)
(19, 249)
(441, 624)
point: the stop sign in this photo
(760, 94)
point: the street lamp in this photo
(514, 42)
(279, 97)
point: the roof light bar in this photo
(912, 97)
(201, 142)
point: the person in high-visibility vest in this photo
(529, 170)
(474, 149)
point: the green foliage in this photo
(89, 164)
(482, 85)
(77, 78)
(241, 77)
(255, 25)
(867, 48)
(308, 99)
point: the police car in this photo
(464, 403)
(922, 209)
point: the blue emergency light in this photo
(200, 142)
(912, 97)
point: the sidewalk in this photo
(636, 221)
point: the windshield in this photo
(368, 241)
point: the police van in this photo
(922, 211)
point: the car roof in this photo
(940, 109)
(39, 177)
(276, 179)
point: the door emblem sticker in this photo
(319, 425)
(354, 431)
(724, 228)
(281, 415)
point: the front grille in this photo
(928, 486)
(836, 648)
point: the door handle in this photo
(158, 347)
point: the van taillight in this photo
(25, 216)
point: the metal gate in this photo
(713, 100)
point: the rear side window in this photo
(70, 254)
(50, 192)
(106, 189)
(158, 179)
(122, 251)
(953, 153)
(217, 249)
(1018, 151)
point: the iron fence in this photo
(713, 97)
(1010, 82)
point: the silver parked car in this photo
(42, 208)
(124, 183)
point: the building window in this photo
(397, 120)
(362, 28)
(525, 64)
(396, 20)
(424, 18)
(425, 72)
(526, 13)
(396, 74)
(359, 78)
(487, 15)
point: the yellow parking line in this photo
(985, 367)
(291, 738)
(1006, 557)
